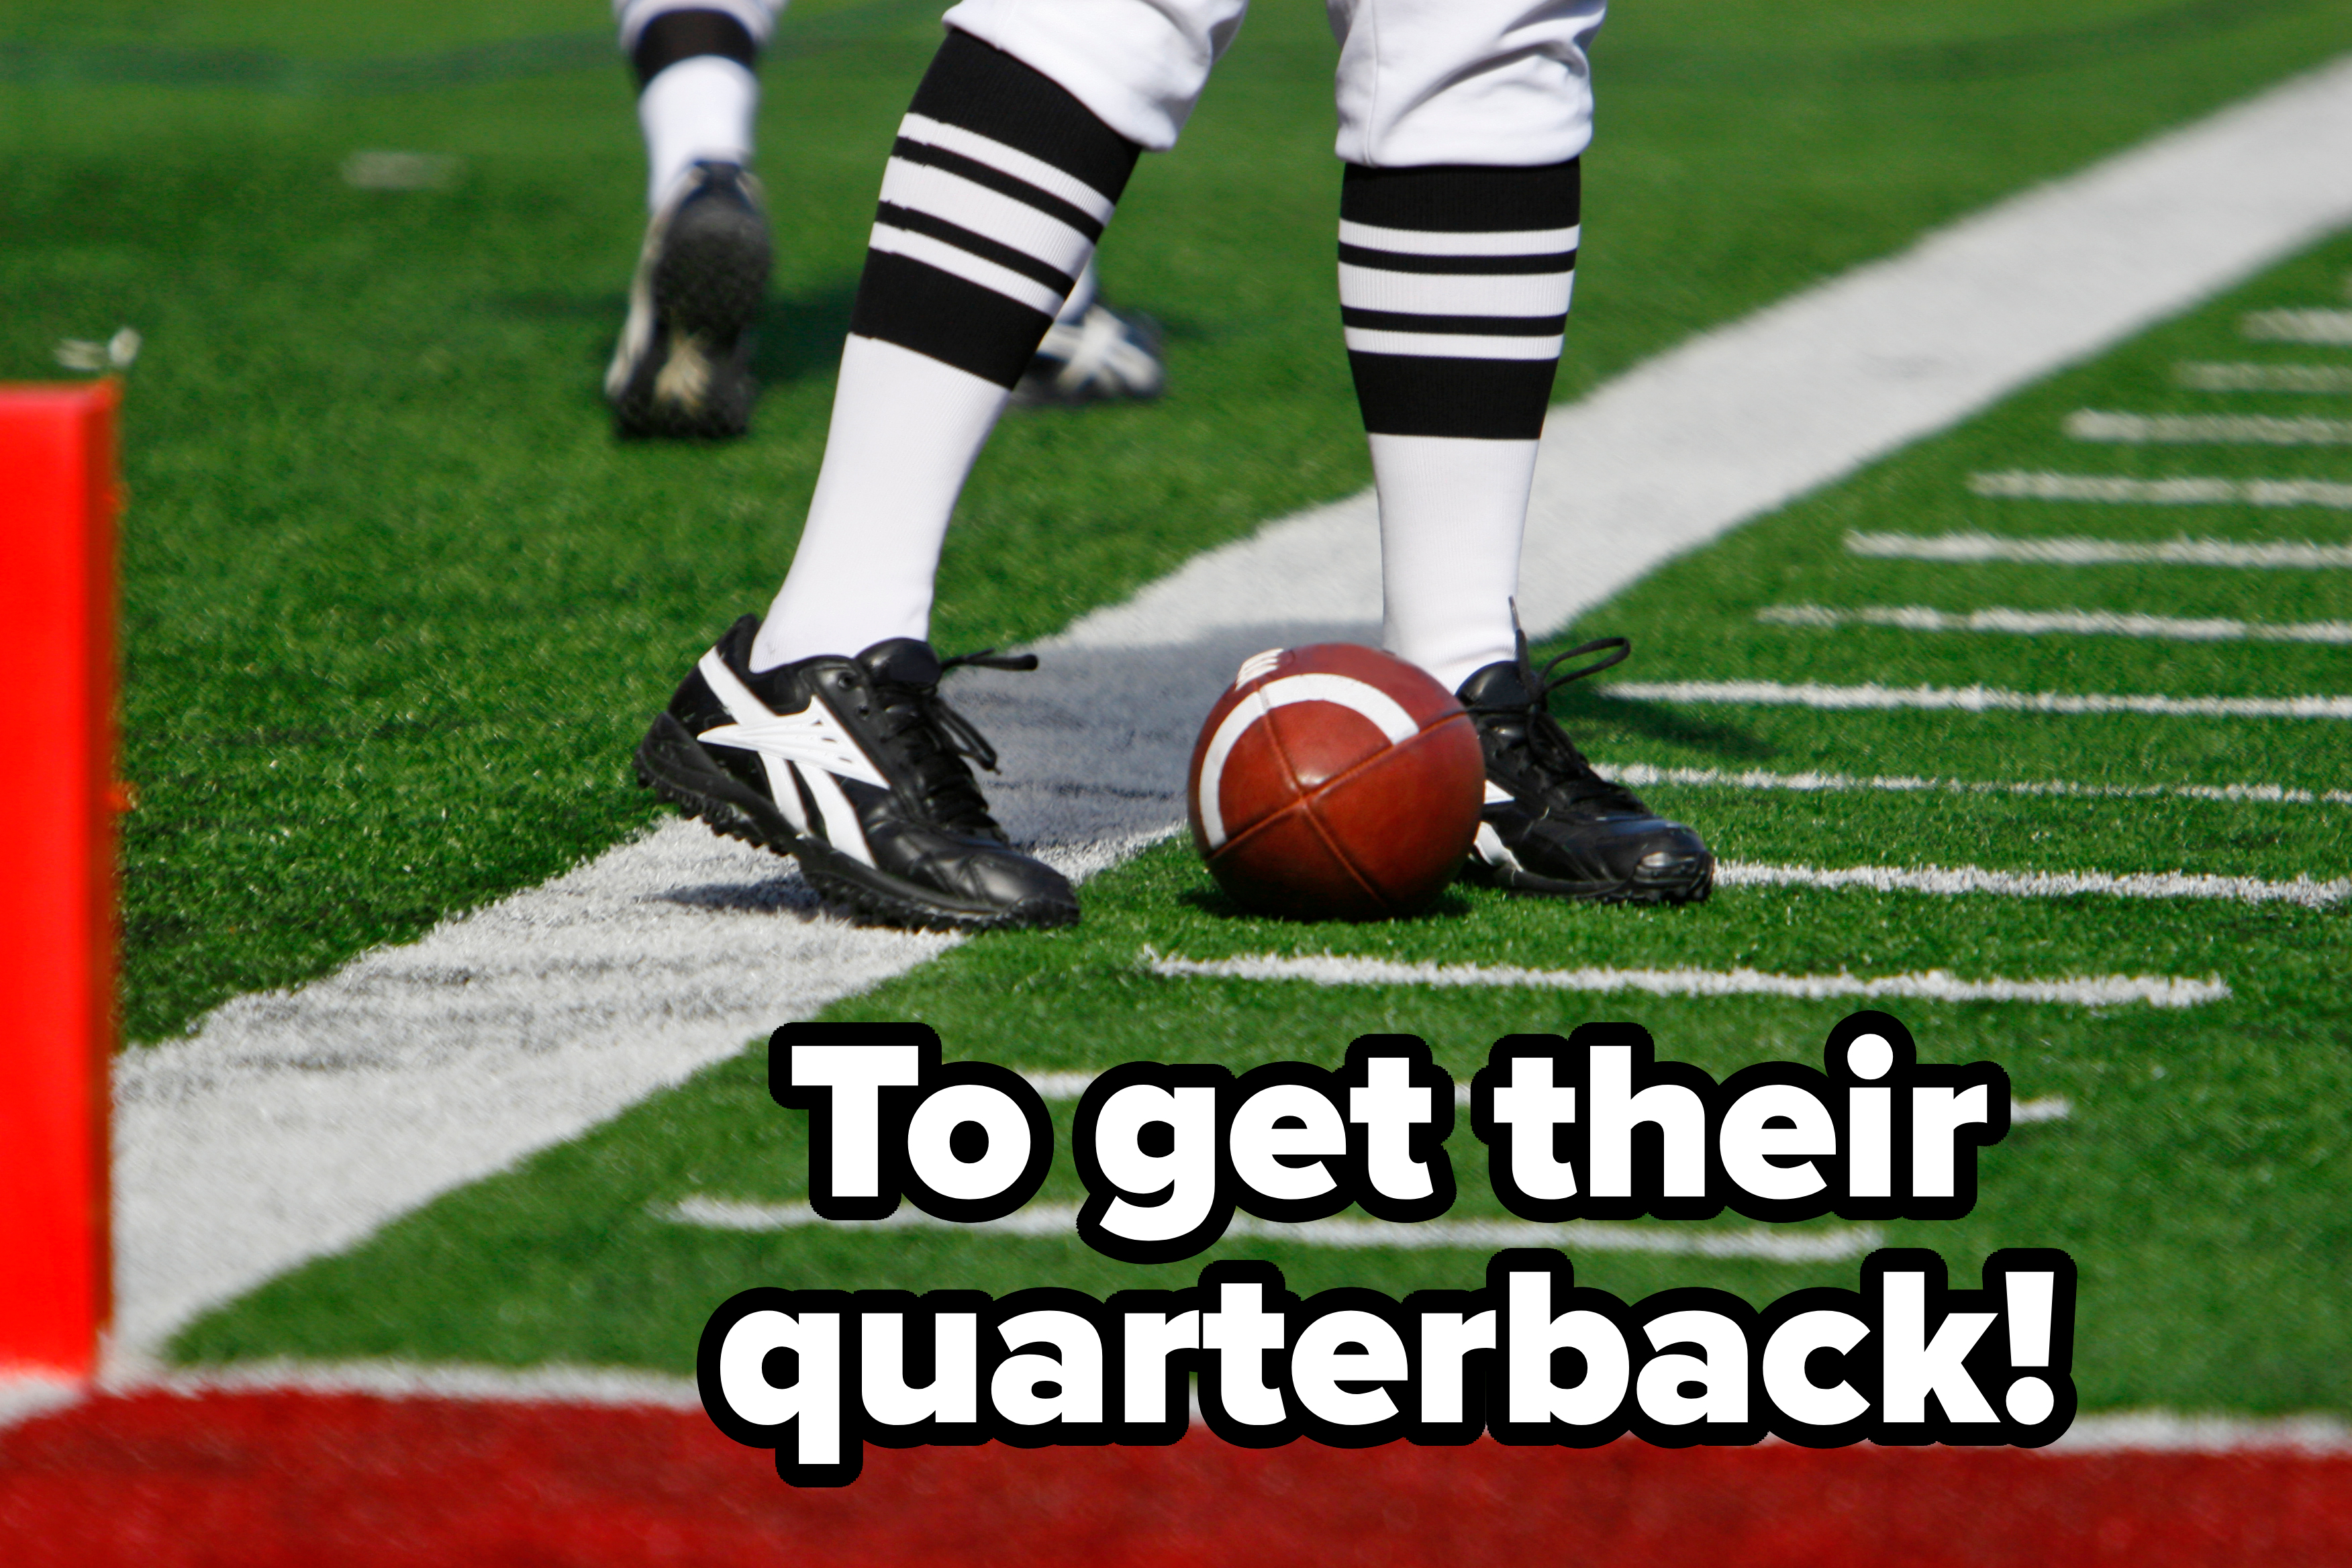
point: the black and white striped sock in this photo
(1453, 293)
(1454, 289)
(998, 187)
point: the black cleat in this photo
(1551, 824)
(853, 767)
(1104, 356)
(683, 366)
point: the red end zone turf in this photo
(270, 1479)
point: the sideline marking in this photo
(1641, 775)
(1927, 985)
(1059, 1221)
(1955, 881)
(2067, 623)
(2203, 376)
(2016, 484)
(294, 1123)
(2287, 555)
(2208, 430)
(1976, 699)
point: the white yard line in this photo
(2115, 489)
(1928, 986)
(132, 1375)
(1970, 548)
(2164, 1432)
(1953, 881)
(2310, 326)
(2058, 623)
(2208, 430)
(1976, 699)
(2201, 377)
(551, 1383)
(1067, 1086)
(294, 1124)
(1056, 1221)
(2103, 1432)
(1642, 776)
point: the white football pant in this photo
(1421, 82)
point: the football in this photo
(1335, 783)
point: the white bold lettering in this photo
(1616, 1110)
(1320, 1362)
(1076, 1371)
(1187, 1172)
(814, 1398)
(1259, 1144)
(857, 1075)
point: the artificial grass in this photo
(396, 604)
(2199, 1182)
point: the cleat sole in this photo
(673, 765)
(1684, 880)
(695, 383)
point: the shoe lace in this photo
(933, 740)
(1565, 769)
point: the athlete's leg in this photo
(1454, 292)
(820, 731)
(1006, 168)
(682, 364)
(697, 88)
(1461, 122)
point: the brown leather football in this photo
(1335, 783)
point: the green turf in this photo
(396, 602)
(2199, 1181)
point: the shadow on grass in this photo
(800, 335)
(1584, 713)
(1452, 904)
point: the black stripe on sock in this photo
(1458, 266)
(981, 88)
(980, 244)
(1462, 198)
(996, 180)
(675, 35)
(1476, 326)
(954, 320)
(1483, 399)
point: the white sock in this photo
(702, 107)
(906, 431)
(1451, 515)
